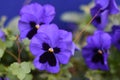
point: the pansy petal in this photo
(114, 9)
(65, 36)
(49, 13)
(52, 31)
(27, 18)
(63, 57)
(104, 39)
(100, 39)
(102, 3)
(116, 39)
(34, 9)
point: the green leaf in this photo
(21, 76)
(20, 70)
(2, 21)
(28, 77)
(2, 48)
(14, 68)
(71, 17)
(9, 43)
(13, 25)
(25, 67)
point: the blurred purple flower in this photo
(2, 35)
(51, 46)
(104, 8)
(95, 52)
(109, 5)
(101, 19)
(115, 34)
(32, 17)
(4, 78)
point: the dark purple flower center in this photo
(48, 55)
(98, 56)
(34, 28)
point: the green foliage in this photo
(2, 48)
(21, 70)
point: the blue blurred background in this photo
(11, 8)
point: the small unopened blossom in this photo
(32, 17)
(51, 46)
(95, 53)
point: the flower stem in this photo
(10, 53)
(19, 50)
(80, 33)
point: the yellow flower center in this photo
(51, 50)
(37, 26)
(100, 51)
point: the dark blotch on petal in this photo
(32, 24)
(43, 57)
(98, 19)
(56, 50)
(31, 33)
(51, 59)
(48, 57)
(45, 46)
(97, 57)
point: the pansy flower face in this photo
(115, 34)
(2, 35)
(32, 17)
(51, 46)
(95, 53)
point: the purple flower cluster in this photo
(49, 44)
(103, 8)
(52, 46)
(96, 51)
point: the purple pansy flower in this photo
(2, 35)
(95, 53)
(109, 5)
(101, 19)
(51, 46)
(115, 34)
(32, 17)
